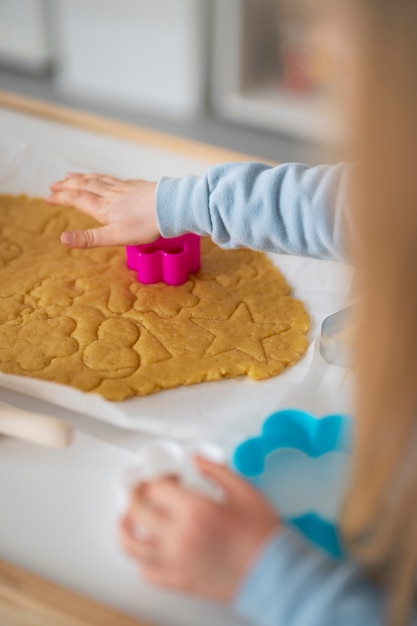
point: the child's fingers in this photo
(85, 201)
(109, 180)
(103, 177)
(93, 185)
(168, 494)
(143, 512)
(82, 238)
(139, 498)
(144, 551)
(233, 485)
(108, 235)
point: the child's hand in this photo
(125, 207)
(184, 541)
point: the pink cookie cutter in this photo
(167, 260)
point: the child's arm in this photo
(291, 208)
(237, 551)
(293, 584)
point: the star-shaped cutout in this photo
(239, 332)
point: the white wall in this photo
(144, 54)
(23, 40)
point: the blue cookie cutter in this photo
(315, 437)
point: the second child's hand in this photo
(184, 541)
(126, 208)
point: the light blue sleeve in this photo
(292, 208)
(292, 584)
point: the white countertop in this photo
(58, 510)
(58, 514)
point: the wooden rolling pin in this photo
(28, 600)
(34, 427)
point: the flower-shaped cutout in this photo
(314, 437)
(36, 344)
(167, 260)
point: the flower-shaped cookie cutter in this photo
(314, 437)
(167, 260)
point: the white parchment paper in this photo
(223, 410)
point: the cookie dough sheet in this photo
(202, 409)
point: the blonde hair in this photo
(380, 514)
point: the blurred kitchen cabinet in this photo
(262, 73)
(145, 55)
(23, 35)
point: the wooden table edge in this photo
(121, 130)
(27, 599)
